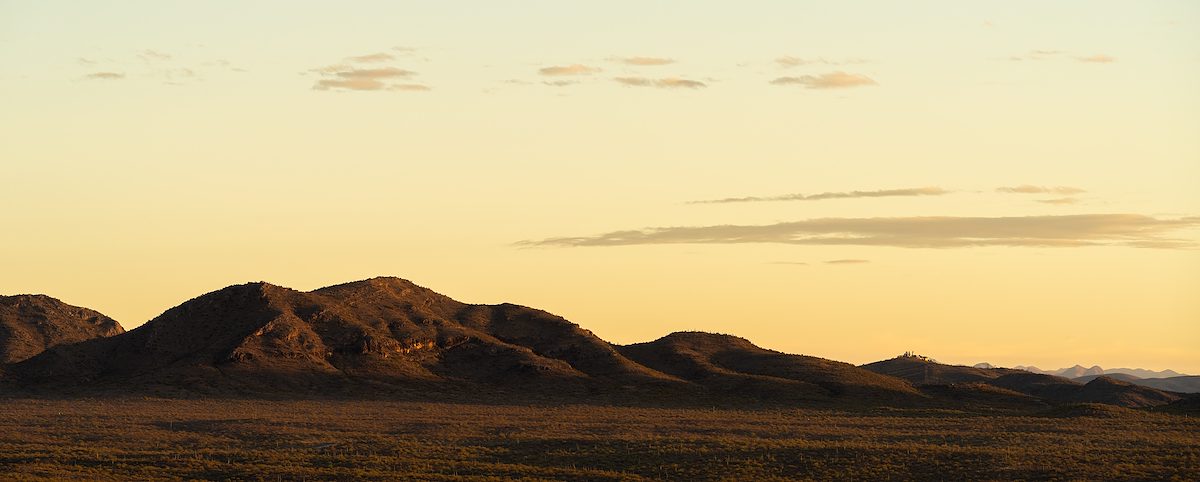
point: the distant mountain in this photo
(385, 333)
(1182, 384)
(1051, 388)
(1079, 371)
(388, 336)
(985, 365)
(1115, 376)
(1144, 373)
(30, 324)
(731, 364)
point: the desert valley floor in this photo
(238, 439)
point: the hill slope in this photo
(725, 363)
(1051, 388)
(30, 324)
(381, 333)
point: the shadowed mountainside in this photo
(383, 333)
(1101, 389)
(1181, 384)
(388, 337)
(30, 324)
(732, 364)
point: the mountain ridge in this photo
(390, 337)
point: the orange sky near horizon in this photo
(1009, 183)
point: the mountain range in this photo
(388, 337)
(1079, 371)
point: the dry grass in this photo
(122, 439)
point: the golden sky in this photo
(1010, 182)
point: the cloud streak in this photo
(789, 61)
(1059, 201)
(1097, 59)
(665, 83)
(1031, 189)
(150, 55)
(915, 232)
(345, 77)
(832, 80)
(913, 191)
(573, 69)
(104, 76)
(372, 58)
(645, 61)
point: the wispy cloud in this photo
(346, 77)
(573, 69)
(104, 76)
(832, 80)
(559, 83)
(1037, 54)
(1060, 55)
(153, 55)
(409, 87)
(644, 61)
(848, 261)
(1099, 59)
(665, 83)
(789, 61)
(372, 58)
(1030, 189)
(916, 232)
(1061, 201)
(912, 191)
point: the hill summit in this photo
(30, 324)
(388, 337)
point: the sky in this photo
(1009, 182)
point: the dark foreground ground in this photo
(296, 440)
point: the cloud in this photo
(848, 261)
(1045, 54)
(912, 191)
(381, 73)
(573, 69)
(645, 61)
(559, 83)
(372, 58)
(1030, 189)
(410, 87)
(153, 55)
(1099, 59)
(915, 232)
(344, 77)
(349, 84)
(832, 80)
(104, 76)
(1036, 55)
(665, 83)
(1061, 200)
(789, 61)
